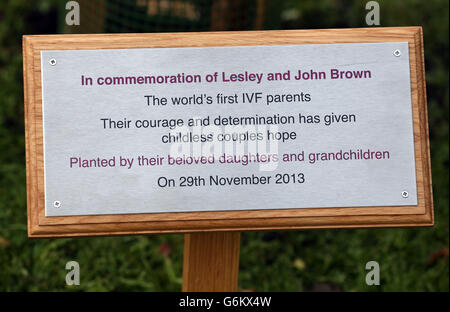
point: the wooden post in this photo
(211, 261)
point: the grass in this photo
(275, 261)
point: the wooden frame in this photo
(178, 222)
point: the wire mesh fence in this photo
(113, 16)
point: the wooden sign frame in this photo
(181, 222)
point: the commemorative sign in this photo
(156, 133)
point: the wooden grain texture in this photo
(211, 261)
(340, 217)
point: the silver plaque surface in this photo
(227, 128)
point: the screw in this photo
(397, 53)
(56, 204)
(52, 62)
(405, 194)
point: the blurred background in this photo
(411, 259)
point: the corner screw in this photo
(52, 62)
(397, 53)
(405, 194)
(56, 204)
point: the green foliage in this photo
(411, 259)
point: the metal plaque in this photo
(227, 128)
